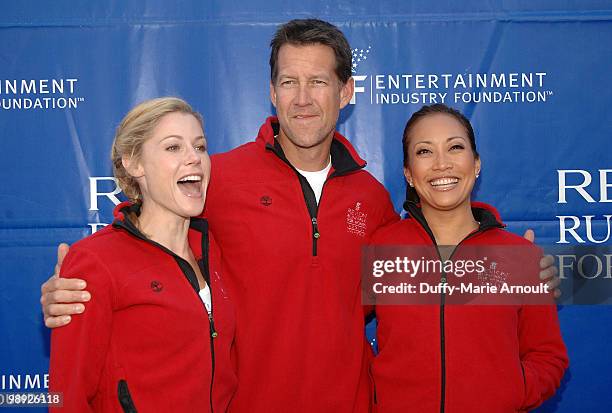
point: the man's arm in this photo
(61, 297)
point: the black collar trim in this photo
(485, 217)
(198, 224)
(341, 159)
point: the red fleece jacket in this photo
(465, 358)
(144, 342)
(294, 270)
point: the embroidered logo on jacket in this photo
(356, 220)
(265, 200)
(493, 275)
(156, 286)
(219, 285)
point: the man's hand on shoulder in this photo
(548, 269)
(62, 297)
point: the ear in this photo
(132, 166)
(346, 92)
(408, 175)
(272, 93)
(477, 166)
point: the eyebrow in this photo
(447, 140)
(320, 75)
(180, 137)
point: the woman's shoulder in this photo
(110, 249)
(502, 236)
(403, 231)
(103, 241)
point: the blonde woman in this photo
(158, 331)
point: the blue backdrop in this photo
(533, 76)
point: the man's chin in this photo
(307, 140)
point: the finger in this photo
(58, 310)
(53, 322)
(553, 283)
(549, 273)
(547, 261)
(62, 250)
(70, 284)
(64, 297)
(529, 235)
(557, 293)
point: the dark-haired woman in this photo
(462, 358)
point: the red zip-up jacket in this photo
(294, 271)
(465, 358)
(145, 341)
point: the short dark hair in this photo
(432, 110)
(302, 32)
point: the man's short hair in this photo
(302, 32)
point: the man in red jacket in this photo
(290, 212)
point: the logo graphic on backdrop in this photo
(37, 381)
(449, 88)
(45, 94)
(586, 228)
(103, 191)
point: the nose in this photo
(193, 156)
(303, 95)
(442, 161)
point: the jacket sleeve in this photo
(387, 216)
(79, 349)
(542, 351)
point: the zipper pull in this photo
(211, 322)
(315, 230)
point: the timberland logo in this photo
(156, 286)
(356, 220)
(265, 200)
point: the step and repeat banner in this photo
(533, 77)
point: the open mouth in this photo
(444, 184)
(191, 186)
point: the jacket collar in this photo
(487, 216)
(198, 228)
(344, 157)
(198, 241)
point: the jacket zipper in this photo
(443, 280)
(309, 196)
(315, 236)
(186, 267)
(213, 335)
(205, 268)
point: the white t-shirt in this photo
(206, 298)
(316, 179)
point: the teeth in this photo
(191, 178)
(444, 181)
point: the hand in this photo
(548, 270)
(61, 297)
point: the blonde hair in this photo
(135, 128)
